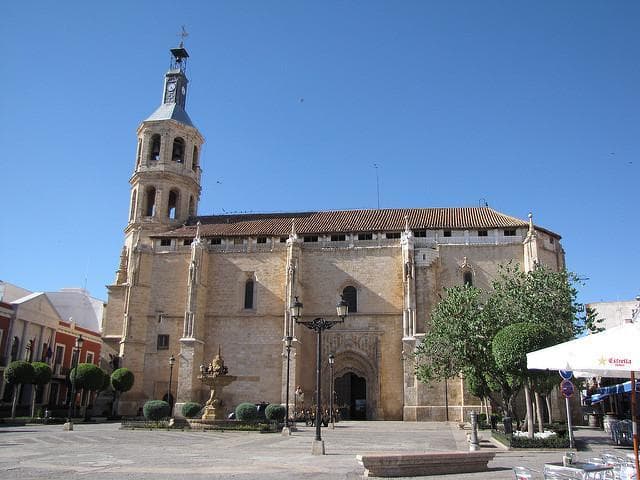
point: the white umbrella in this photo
(612, 353)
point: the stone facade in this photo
(189, 285)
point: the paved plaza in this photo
(103, 451)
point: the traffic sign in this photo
(566, 374)
(567, 388)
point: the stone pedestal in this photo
(213, 408)
(318, 447)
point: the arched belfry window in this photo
(133, 205)
(177, 154)
(154, 151)
(139, 153)
(467, 278)
(192, 207)
(248, 293)
(350, 295)
(150, 205)
(195, 160)
(172, 206)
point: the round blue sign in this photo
(566, 374)
(567, 388)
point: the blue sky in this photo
(531, 106)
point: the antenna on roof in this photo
(375, 165)
(483, 202)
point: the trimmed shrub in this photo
(246, 412)
(122, 380)
(19, 372)
(156, 410)
(275, 412)
(41, 373)
(191, 409)
(87, 376)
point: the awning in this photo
(604, 392)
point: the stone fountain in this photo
(215, 376)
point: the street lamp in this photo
(318, 325)
(75, 357)
(286, 430)
(332, 360)
(172, 362)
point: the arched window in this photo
(154, 151)
(195, 160)
(467, 278)
(178, 150)
(350, 295)
(139, 153)
(192, 207)
(248, 293)
(133, 205)
(172, 206)
(150, 208)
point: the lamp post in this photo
(332, 360)
(287, 343)
(172, 362)
(318, 325)
(75, 357)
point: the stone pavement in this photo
(103, 451)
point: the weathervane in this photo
(183, 34)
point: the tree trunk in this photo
(539, 412)
(527, 399)
(34, 389)
(15, 401)
(548, 401)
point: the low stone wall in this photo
(423, 464)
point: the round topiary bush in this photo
(156, 410)
(87, 376)
(191, 409)
(246, 412)
(122, 380)
(275, 412)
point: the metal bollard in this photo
(473, 442)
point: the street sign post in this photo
(567, 388)
(565, 374)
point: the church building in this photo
(189, 285)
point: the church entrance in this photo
(351, 396)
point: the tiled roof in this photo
(343, 221)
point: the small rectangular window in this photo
(283, 239)
(89, 357)
(510, 232)
(552, 240)
(238, 241)
(446, 233)
(216, 241)
(420, 233)
(165, 242)
(483, 233)
(338, 238)
(365, 236)
(163, 342)
(310, 238)
(392, 234)
(261, 240)
(187, 241)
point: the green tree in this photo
(510, 347)
(464, 323)
(16, 374)
(41, 376)
(122, 380)
(89, 377)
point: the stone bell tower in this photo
(165, 190)
(165, 185)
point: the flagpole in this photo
(634, 422)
